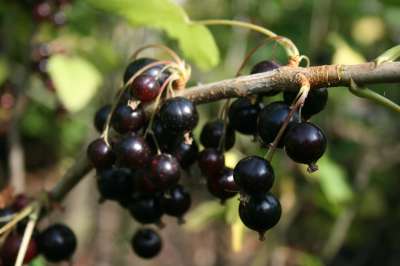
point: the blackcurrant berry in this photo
(133, 152)
(165, 171)
(260, 212)
(254, 175)
(214, 131)
(154, 71)
(315, 102)
(165, 139)
(222, 185)
(178, 115)
(146, 209)
(243, 116)
(125, 119)
(100, 154)
(176, 201)
(266, 66)
(146, 243)
(11, 246)
(211, 161)
(100, 118)
(185, 153)
(271, 119)
(6, 214)
(145, 88)
(20, 202)
(57, 243)
(144, 183)
(305, 143)
(115, 183)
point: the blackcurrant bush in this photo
(145, 88)
(305, 143)
(185, 153)
(176, 201)
(133, 152)
(243, 116)
(115, 183)
(165, 171)
(178, 115)
(315, 102)
(100, 154)
(271, 119)
(57, 243)
(213, 132)
(260, 212)
(125, 119)
(146, 243)
(265, 66)
(146, 209)
(211, 161)
(254, 175)
(11, 246)
(100, 118)
(222, 185)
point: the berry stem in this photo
(288, 45)
(159, 46)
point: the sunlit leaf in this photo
(76, 80)
(237, 234)
(344, 54)
(390, 55)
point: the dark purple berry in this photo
(145, 88)
(133, 152)
(211, 161)
(20, 202)
(146, 209)
(100, 154)
(243, 116)
(222, 185)
(125, 119)
(305, 143)
(57, 243)
(266, 66)
(11, 246)
(146, 243)
(185, 153)
(115, 183)
(254, 175)
(165, 139)
(315, 102)
(154, 71)
(101, 116)
(178, 115)
(176, 201)
(260, 212)
(144, 183)
(271, 119)
(165, 171)
(213, 132)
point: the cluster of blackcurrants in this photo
(139, 159)
(52, 11)
(56, 243)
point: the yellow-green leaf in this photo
(76, 80)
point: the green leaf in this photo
(76, 80)
(3, 70)
(195, 41)
(389, 56)
(39, 261)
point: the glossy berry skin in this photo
(11, 246)
(145, 88)
(165, 138)
(146, 209)
(115, 183)
(176, 201)
(154, 71)
(243, 116)
(211, 161)
(185, 153)
(178, 115)
(271, 119)
(125, 119)
(260, 212)
(305, 143)
(254, 175)
(133, 152)
(165, 171)
(146, 243)
(57, 243)
(100, 118)
(213, 132)
(266, 66)
(100, 154)
(222, 185)
(315, 102)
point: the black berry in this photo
(125, 119)
(11, 246)
(178, 115)
(266, 66)
(100, 117)
(133, 152)
(100, 154)
(145, 88)
(165, 171)
(254, 175)
(146, 243)
(115, 183)
(154, 71)
(211, 161)
(176, 201)
(243, 116)
(214, 131)
(185, 153)
(146, 209)
(222, 185)
(6, 214)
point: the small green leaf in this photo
(389, 56)
(195, 41)
(76, 80)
